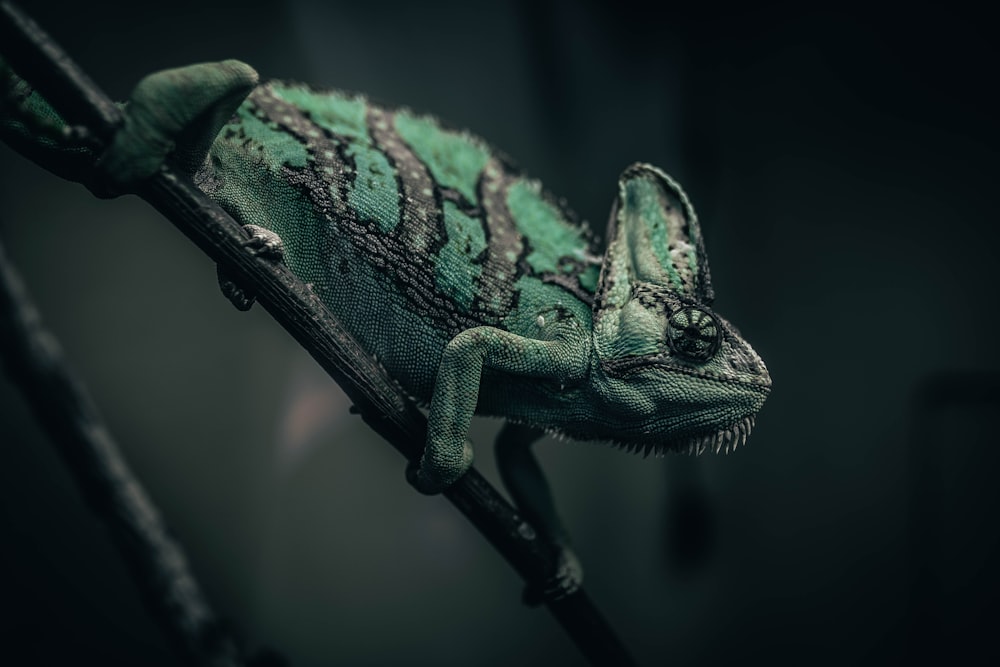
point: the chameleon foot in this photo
(419, 482)
(565, 580)
(439, 467)
(429, 485)
(262, 243)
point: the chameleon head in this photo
(670, 373)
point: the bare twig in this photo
(65, 410)
(376, 396)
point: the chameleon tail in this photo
(29, 125)
(175, 113)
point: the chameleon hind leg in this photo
(524, 480)
(262, 242)
(174, 115)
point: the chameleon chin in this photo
(477, 290)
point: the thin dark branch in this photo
(39, 59)
(293, 304)
(65, 410)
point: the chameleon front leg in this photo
(448, 452)
(529, 490)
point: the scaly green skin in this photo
(474, 288)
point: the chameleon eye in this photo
(692, 333)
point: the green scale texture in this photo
(399, 224)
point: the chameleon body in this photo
(477, 290)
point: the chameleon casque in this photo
(476, 290)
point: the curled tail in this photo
(29, 125)
(173, 114)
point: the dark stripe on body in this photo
(329, 167)
(572, 268)
(505, 247)
(421, 224)
(395, 255)
(570, 281)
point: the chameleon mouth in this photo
(723, 441)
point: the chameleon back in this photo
(409, 232)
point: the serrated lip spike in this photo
(724, 441)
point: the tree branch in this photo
(65, 410)
(378, 399)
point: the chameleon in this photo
(477, 290)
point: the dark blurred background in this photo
(844, 162)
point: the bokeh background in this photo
(844, 162)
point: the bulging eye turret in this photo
(693, 334)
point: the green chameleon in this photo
(475, 289)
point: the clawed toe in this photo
(241, 298)
(421, 482)
(264, 243)
(564, 581)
